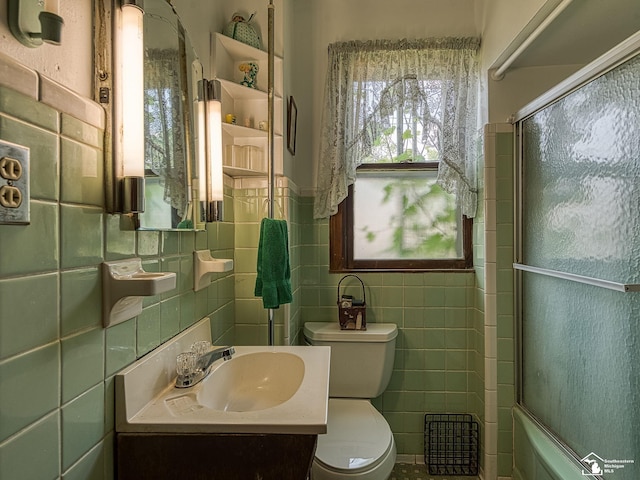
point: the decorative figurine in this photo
(250, 71)
(242, 30)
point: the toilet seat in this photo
(358, 441)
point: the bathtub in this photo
(536, 456)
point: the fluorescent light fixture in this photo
(211, 179)
(130, 122)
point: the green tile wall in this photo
(56, 360)
(434, 367)
(251, 322)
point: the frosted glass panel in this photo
(581, 354)
(582, 180)
(581, 215)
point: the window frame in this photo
(341, 239)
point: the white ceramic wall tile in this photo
(490, 310)
(490, 276)
(491, 441)
(67, 101)
(490, 246)
(489, 183)
(491, 406)
(18, 77)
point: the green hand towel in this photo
(273, 283)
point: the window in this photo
(402, 128)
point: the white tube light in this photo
(132, 71)
(211, 179)
(202, 150)
(214, 126)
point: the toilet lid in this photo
(357, 436)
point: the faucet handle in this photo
(201, 347)
(186, 363)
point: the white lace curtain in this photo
(165, 148)
(367, 81)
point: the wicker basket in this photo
(352, 313)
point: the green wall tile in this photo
(80, 236)
(34, 453)
(187, 243)
(413, 296)
(109, 404)
(121, 346)
(149, 334)
(81, 131)
(187, 310)
(80, 300)
(82, 425)
(29, 388)
(170, 243)
(28, 321)
(82, 173)
(120, 243)
(148, 243)
(247, 235)
(31, 248)
(28, 109)
(89, 467)
(170, 318)
(456, 381)
(172, 264)
(82, 362)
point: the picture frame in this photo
(292, 124)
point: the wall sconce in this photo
(127, 184)
(211, 180)
(34, 22)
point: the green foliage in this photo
(425, 225)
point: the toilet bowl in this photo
(359, 444)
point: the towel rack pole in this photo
(270, 106)
(596, 282)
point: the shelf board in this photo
(240, 92)
(242, 172)
(240, 131)
(242, 51)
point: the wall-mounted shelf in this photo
(240, 131)
(619, 287)
(241, 92)
(248, 104)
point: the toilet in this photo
(358, 443)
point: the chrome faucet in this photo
(202, 366)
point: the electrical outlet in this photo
(14, 184)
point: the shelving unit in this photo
(247, 104)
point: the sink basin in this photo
(252, 382)
(262, 389)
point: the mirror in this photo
(171, 72)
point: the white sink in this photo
(251, 382)
(280, 389)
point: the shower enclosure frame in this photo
(622, 53)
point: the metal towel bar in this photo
(620, 287)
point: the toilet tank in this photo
(361, 360)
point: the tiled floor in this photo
(410, 471)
